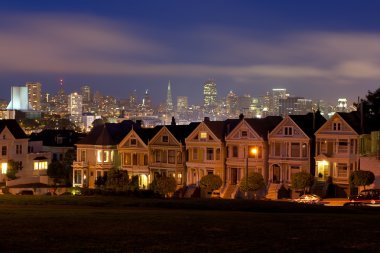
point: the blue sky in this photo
(315, 49)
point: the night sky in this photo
(315, 49)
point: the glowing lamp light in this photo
(324, 162)
(254, 151)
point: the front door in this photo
(234, 176)
(276, 174)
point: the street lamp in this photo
(253, 151)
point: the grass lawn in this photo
(116, 224)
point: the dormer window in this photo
(133, 142)
(165, 138)
(337, 126)
(203, 136)
(243, 133)
(288, 131)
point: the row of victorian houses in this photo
(273, 146)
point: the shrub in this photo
(361, 178)
(302, 180)
(254, 182)
(164, 185)
(210, 182)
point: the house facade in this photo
(337, 148)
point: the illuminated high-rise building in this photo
(182, 104)
(209, 95)
(169, 100)
(147, 101)
(19, 99)
(34, 95)
(277, 94)
(232, 103)
(86, 94)
(75, 104)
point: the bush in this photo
(210, 182)
(361, 178)
(164, 185)
(302, 180)
(254, 182)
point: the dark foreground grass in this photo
(107, 224)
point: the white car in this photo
(308, 199)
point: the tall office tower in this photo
(182, 104)
(209, 95)
(288, 106)
(19, 99)
(304, 106)
(75, 104)
(244, 103)
(86, 94)
(133, 100)
(277, 94)
(34, 95)
(232, 103)
(147, 101)
(169, 100)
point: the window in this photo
(342, 146)
(4, 167)
(217, 154)
(133, 142)
(127, 159)
(134, 159)
(18, 149)
(179, 157)
(83, 155)
(77, 177)
(288, 131)
(4, 150)
(304, 150)
(336, 126)
(40, 165)
(103, 156)
(277, 149)
(203, 136)
(210, 154)
(195, 154)
(145, 159)
(235, 151)
(342, 170)
(164, 156)
(158, 156)
(244, 134)
(295, 149)
(165, 138)
(171, 156)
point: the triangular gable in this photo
(331, 126)
(201, 129)
(282, 130)
(6, 134)
(238, 133)
(164, 138)
(127, 142)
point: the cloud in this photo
(90, 45)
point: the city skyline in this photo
(322, 50)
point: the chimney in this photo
(206, 119)
(173, 122)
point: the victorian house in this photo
(292, 148)
(134, 154)
(247, 151)
(207, 150)
(337, 148)
(167, 152)
(97, 153)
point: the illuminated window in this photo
(77, 177)
(203, 136)
(4, 167)
(103, 156)
(40, 165)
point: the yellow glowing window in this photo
(203, 135)
(4, 167)
(41, 165)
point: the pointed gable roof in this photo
(146, 134)
(309, 123)
(222, 128)
(14, 128)
(181, 132)
(108, 133)
(353, 119)
(263, 126)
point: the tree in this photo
(370, 107)
(62, 170)
(164, 185)
(361, 178)
(302, 180)
(210, 182)
(254, 182)
(117, 180)
(12, 169)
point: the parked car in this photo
(25, 192)
(308, 199)
(367, 196)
